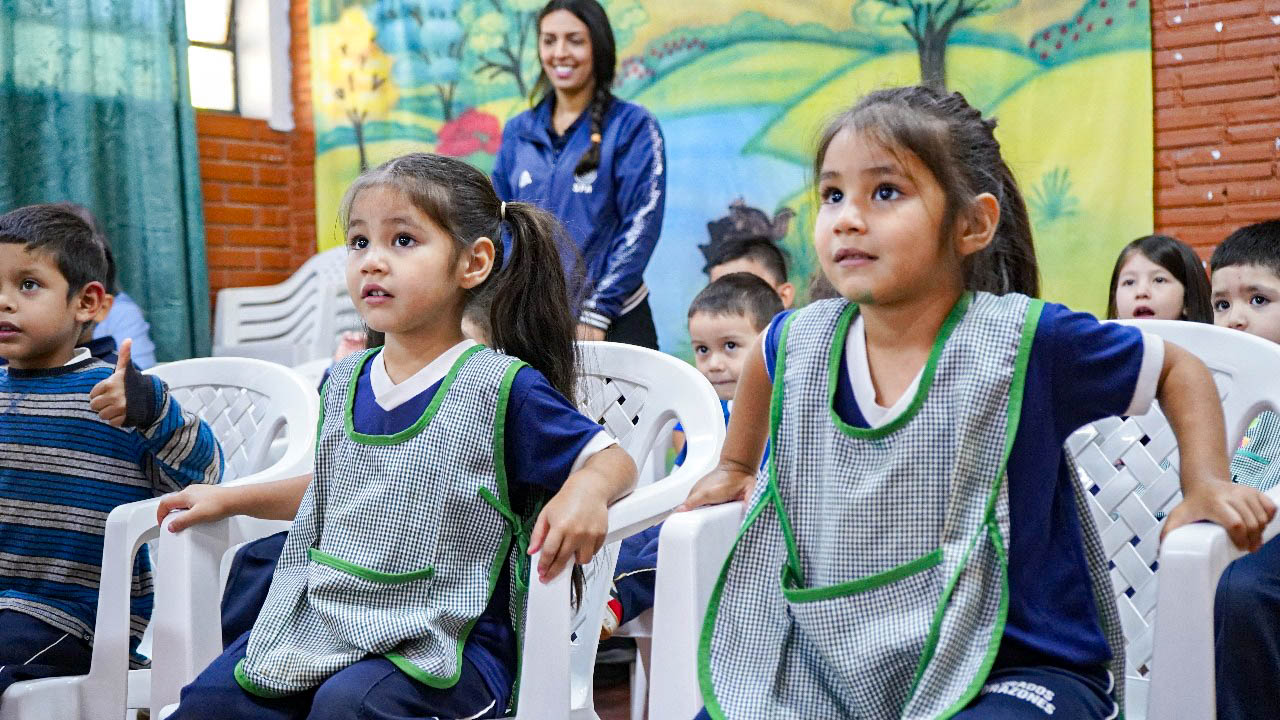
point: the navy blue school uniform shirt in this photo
(1079, 371)
(613, 214)
(544, 437)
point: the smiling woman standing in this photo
(595, 162)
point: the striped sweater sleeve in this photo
(179, 448)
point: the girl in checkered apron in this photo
(400, 589)
(915, 547)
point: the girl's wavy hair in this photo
(1182, 263)
(529, 313)
(604, 66)
(959, 148)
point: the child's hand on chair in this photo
(722, 485)
(1241, 510)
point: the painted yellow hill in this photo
(1098, 113)
(666, 15)
(982, 74)
(757, 73)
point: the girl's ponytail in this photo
(530, 315)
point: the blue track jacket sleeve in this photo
(640, 184)
(502, 183)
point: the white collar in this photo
(864, 392)
(390, 395)
(79, 355)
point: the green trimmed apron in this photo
(869, 579)
(399, 539)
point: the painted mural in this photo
(741, 89)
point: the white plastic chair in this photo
(1125, 506)
(635, 393)
(246, 403)
(291, 322)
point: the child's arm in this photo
(574, 522)
(276, 500)
(744, 443)
(179, 448)
(1189, 399)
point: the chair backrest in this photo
(1129, 468)
(289, 323)
(249, 404)
(635, 393)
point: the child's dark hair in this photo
(47, 228)
(759, 248)
(1257, 244)
(739, 293)
(958, 146)
(87, 215)
(604, 61)
(530, 314)
(1173, 255)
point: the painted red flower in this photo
(470, 132)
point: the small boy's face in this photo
(720, 345)
(39, 324)
(1247, 297)
(785, 290)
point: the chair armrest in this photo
(691, 552)
(128, 527)
(1192, 560)
(187, 621)
(544, 673)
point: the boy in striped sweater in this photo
(77, 438)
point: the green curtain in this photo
(95, 109)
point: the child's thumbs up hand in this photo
(108, 398)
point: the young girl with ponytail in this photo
(919, 545)
(395, 593)
(596, 163)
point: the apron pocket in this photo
(368, 609)
(871, 632)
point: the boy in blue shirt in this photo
(724, 320)
(1246, 296)
(78, 437)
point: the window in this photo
(211, 57)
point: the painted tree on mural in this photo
(427, 42)
(501, 35)
(356, 85)
(929, 23)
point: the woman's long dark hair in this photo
(958, 146)
(529, 315)
(1182, 263)
(604, 65)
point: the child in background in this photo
(1246, 296)
(759, 256)
(81, 437)
(724, 320)
(399, 591)
(1158, 277)
(747, 240)
(885, 567)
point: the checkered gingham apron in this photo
(399, 540)
(869, 578)
(1257, 461)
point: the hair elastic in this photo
(502, 211)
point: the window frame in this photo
(229, 46)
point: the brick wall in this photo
(259, 184)
(1217, 117)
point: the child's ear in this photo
(978, 225)
(88, 302)
(787, 292)
(108, 302)
(476, 263)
